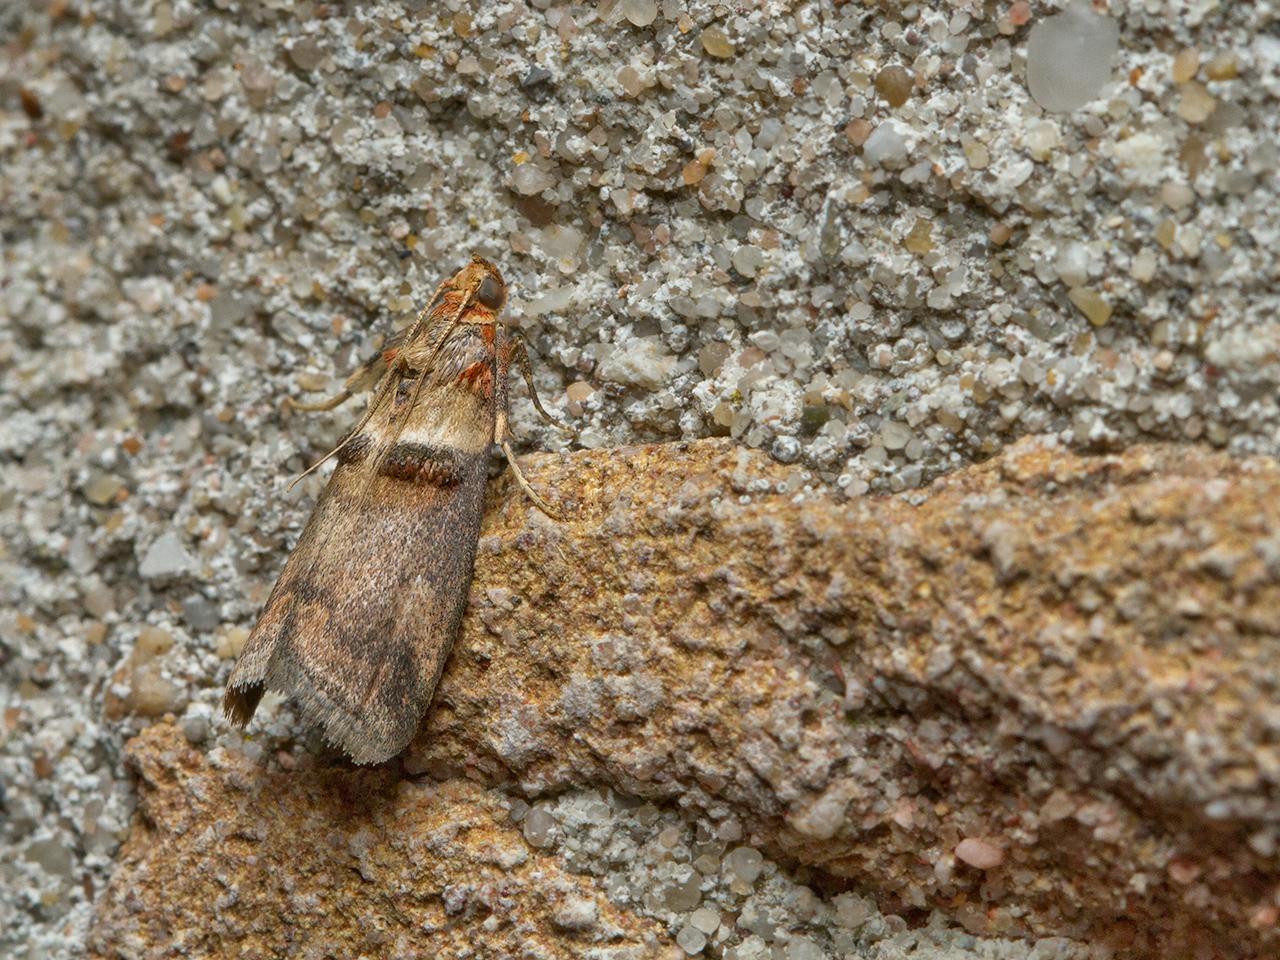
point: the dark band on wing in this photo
(421, 463)
(413, 462)
(355, 449)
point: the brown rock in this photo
(147, 691)
(1071, 658)
(894, 84)
(229, 860)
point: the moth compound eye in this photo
(491, 293)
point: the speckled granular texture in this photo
(233, 861)
(1068, 666)
(843, 234)
(1038, 703)
(228, 861)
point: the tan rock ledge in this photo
(1041, 698)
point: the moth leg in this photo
(524, 484)
(390, 382)
(331, 403)
(520, 353)
(363, 378)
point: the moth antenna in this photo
(377, 399)
(417, 322)
(351, 435)
(426, 367)
(529, 492)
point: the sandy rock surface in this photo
(879, 242)
(1036, 701)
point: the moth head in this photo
(482, 277)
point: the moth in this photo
(359, 625)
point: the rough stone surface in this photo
(228, 860)
(1039, 701)
(232, 859)
(715, 224)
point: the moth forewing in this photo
(361, 621)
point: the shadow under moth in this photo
(360, 623)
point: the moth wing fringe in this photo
(340, 727)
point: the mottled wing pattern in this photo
(360, 623)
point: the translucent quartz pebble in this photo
(1069, 57)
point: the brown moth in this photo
(359, 625)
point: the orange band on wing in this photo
(478, 376)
